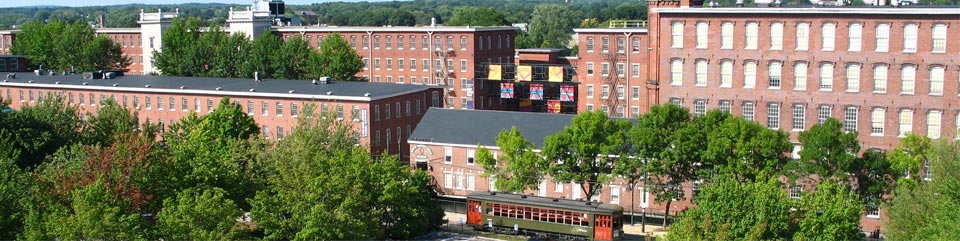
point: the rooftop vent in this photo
(58, 82)
(219, 88)
(493, 193)
(556, 200)
(109, 75)
(252, 90)
(523, 196)
(85, 83)
(11, 76)
(115, 84)
(29, 81)
(290, 91)
(182, 87)
(366, 94)
(146, 86)
(324, 80)
(329, 92)
(256, 77)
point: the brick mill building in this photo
(383, 115)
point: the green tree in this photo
(42, 129)
(292, 61)
(828, 151)
(13, 183)
(927, 211)
(323, 187)
(474, 16)
(551, 26)
(666, 140)
(518, 168)
(402, 18)
(103, 54)
(337, 59)
(832, 212)
(182, 54)
(908, 158)
(747, 150)
(110, 120)
(94, 214)
(199, 214)
(581, 152)
(729, 209)
(259, 60)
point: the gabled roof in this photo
(298, 89)
(472, 127)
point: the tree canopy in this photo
(68, 46)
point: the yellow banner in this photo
(524, 73)
(495, 71)
(556, 74)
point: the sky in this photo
(78, 3)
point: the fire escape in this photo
(443, 72)
(615, 79)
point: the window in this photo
(876, 121)
(614, 194)
(855, 36)
(823, 113)
(800, 76)
(634, 111)
(799, 116)
(636, 44)
(604, 91)
(590, 107)
(447, 180)
(589, 44)
(340, 112)
(699, 107)
(748, 111)
(635, 70)
(447, 154)
(620, 94)
(796, 191)
(676, 35)
(803, 36)
(366, 41)
(676, 72)
(774, 72)
(605, 69)
(463, 42)
(590, 91)
(726, 35)
(621, 69)
(751, 38)
(726, 73)
(463, 65)
(725, 106)
(183, 104)
(279, 109)
(927, 171)
(471, 182)
(376, 63)
(449, 42)
(605, 44)
(376, 42)
(828, 31)
(620, 45)
(424, 43)
(933, 124)
(279, 132)
(388, 111)
(389, 64)
(773, 116)
(910, 38)
(702, 31)
(750, 74)
(850, 119)
(635, 92)
(400, 41)
(590, 69)
(936, 81)
(883, 37)
(470, 155)
(701, 78)
(776, 36)
(880, 78)
(906, 122)
(294, 109)
(557, 187)
(159, 103)
(939, 38)
(389, 42)
(853, 77)
(826, 77)
(908, 75)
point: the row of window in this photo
(621, 70)
(390, 141)
(14, 64)
(124, 41)
(399, 112)
(620, 48)
(798, 117)
(410, 42)
(619, 113)
(538, 214)
(828, 36)
(775, 76)
(401, 64)
(605, 92)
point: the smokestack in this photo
(101, 20)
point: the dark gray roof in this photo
(267, 86)
(472, 127)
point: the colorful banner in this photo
(566, 93)
(506, 90)
(495, 71)
(553, 106)
(536, 91)
(526, 105)
(524, 73)
(556, 74)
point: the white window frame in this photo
(676, 33)
(855, 37)
(726, 35)
(748, 110)
(803, 36)
(905, 120)
(877, 117)
(934, 124)
(850, 118)
(676, 72)
(773, 116)
(883, 38)
(749, 74)
(701, 73)
(853, 78)
(751, 36)
(880, 73)
(702, 34)
(826, 77)
(828, 36)
(800, 76)
(908, 79)
(824, 112)
(910, 35)
(799, 117)
(939, 38)
(775, 75)
(726, 73)
(776, 36)
(936, 80)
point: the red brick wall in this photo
(631, 81)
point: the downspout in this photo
(370, 53)
(627, 65)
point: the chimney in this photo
(433, 22)
(101, 21)
(256, 76)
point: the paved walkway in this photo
(633, 230)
